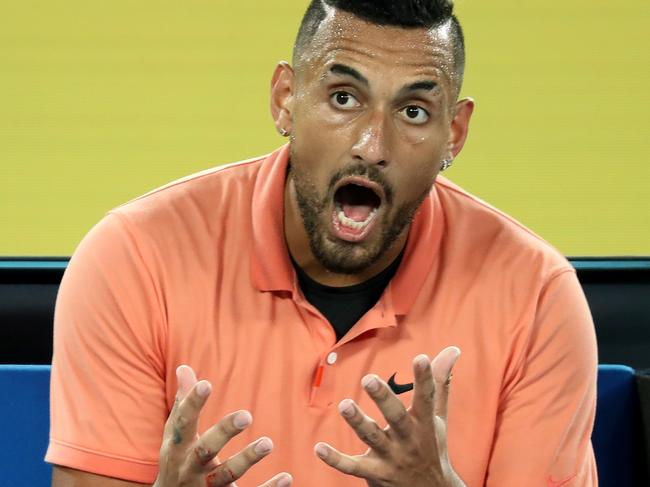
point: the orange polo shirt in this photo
(197, 272)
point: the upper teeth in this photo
(349, 222)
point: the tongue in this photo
(358, 213)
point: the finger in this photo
(424, 389)
(212, 441)
(182, 423)
(238, 464)
(441, 368)
(366, 429)
(390, 406)
(186, 380)
(184, 375)
(356, 466)
(280, 480)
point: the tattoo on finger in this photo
(177, 437)
(221, 475)
(203, 455)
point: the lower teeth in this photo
(349, 222)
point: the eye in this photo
(415, 114)
(343, 99)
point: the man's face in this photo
(371, 117)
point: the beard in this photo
(336, 255)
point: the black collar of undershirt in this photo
(380, 280)
(344, 306)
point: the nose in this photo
(371, 146)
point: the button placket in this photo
(323, 384)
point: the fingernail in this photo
(456, 356)
(284, 481)
(263, 446)
(242, 420)
(321, 450)
(203, 388)
(422, 362)
(370, 383)
(346, 407)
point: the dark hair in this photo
(399, 13)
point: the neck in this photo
(298, 245)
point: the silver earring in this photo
(283, 132)
(446, 164)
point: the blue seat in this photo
(617, 435)
(24, 425)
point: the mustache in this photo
(362, 170)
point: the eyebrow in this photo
(343, 70)
(419, 86)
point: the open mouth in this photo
(357, 202)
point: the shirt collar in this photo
(271, 268)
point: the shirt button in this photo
(331, 358)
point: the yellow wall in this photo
(102, 101)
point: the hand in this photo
(187, 460)
(412, 450)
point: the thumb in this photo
(442, 367)
(281, 480)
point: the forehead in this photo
(345, 38)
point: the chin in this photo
(344, 257)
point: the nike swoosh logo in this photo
(399, 388)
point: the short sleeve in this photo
(108, 405)
(543, 434)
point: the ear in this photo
(460, 126)
(282, 88)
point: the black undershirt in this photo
(344, 306)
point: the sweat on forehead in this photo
(343, 36)
(330, 30)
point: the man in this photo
(309, 288)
